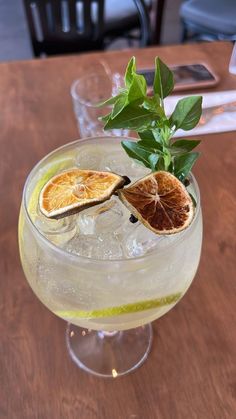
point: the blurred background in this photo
(15, 21)
(34, 28)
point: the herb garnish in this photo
(133, 109)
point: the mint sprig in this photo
(136, 110)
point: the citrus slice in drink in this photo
(74, 190)
(160, 201)
(123, 309)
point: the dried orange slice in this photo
(160, 201)
(73, 190)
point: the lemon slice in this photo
(160, 201)
(74, 190)
(124, 309)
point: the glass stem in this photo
(109, 354)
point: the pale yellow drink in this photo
(96, 269)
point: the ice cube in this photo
(142, 241)
(82, 245)
(119, 162)
(126, 228)
(89, 156)
(56, 231)
(104, 246)
(110, 216)
(109, 247)
(101, 218)
(86, 221)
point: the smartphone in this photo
(188, 76)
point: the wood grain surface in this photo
(191, 371)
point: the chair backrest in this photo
(145, 32)
(65, 26)
(208, 20)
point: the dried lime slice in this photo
(54, 168)
(118, 310)
(160, 201)
(73, 190)
(56, 165)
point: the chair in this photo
(208, 20)
(158, 11)
(69, 26)
(122, 16)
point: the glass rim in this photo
(87, 259)
(78, 98)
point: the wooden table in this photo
(190, 373)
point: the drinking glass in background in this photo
(95, 86)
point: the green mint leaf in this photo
(171, 167)
(185, 145)
(146, 135)
(130, 70)
(187, 113)
(152, 134)
(136, 152)
(183, 164)
(160, 164)
(131, 117)
(109, 101)
(152, 102)
(157, 133)
(137, 89)
(167, 158)
(122, 90)
(151, 145)
(153, 160)
(150, 138)
(164, 133)
(119, 105)
(133, 109)
(163, 79)
(105, 118)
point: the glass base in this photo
(109, 354)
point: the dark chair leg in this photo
(157, 21)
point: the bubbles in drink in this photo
(119, 162)
(109, 247)
(89, 157)
(105, 217)
(142, 241)
(101, 231)
(82, 245)
(57, 231)
(104, 246)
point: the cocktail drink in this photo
(101, 269)
(97, 269)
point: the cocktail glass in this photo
(107, 277)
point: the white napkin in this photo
(219, 123)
